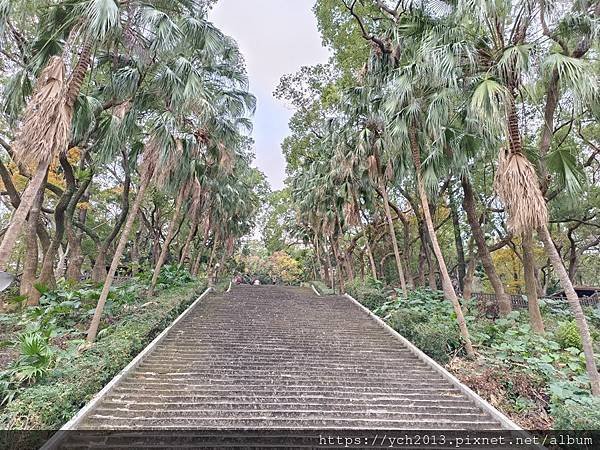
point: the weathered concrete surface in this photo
(268, 357)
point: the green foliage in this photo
(577, 416)
(370, 293)
(322, 288)
(173, 275)
(35, 360)
(76, 376)
(425, 319)
(554, 361)
(567, 335)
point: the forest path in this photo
(271, 357)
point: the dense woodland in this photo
(125, 131)
(454, 146)
(448, 148)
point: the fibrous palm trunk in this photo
(196, 265)
(338, 266)
(447, 287)
(392, 230)
(47, 120)
(170, 234)
(93, 330)
(574, 303)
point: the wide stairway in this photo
(268, 358)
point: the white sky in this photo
(276, 37)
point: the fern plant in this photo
(35, 359)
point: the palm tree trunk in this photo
(197, 259)
(574, 303)
(317, 258)
(326, 264)
(20, 215)
(209, 272)
(338, 266)
(447, 287)
(388, 216)
(458, 241)
(370, 255)
(185, 251)
(470, 274)
(93, 330)
(170, 234)
(535, 316)
(504, 303)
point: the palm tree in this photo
(184, 75)
(506, 59)
(45, 129)
(366, 124)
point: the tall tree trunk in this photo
(75, 237)
(170, 234)
(47, 271)
(75, 241)
(575, 305)
(338, 266)
(197, 260)
(19, 216)
(317, 257)
(458, 241)
(326, 264)
(447, 287)
(93, 330)
(211, 259)
(529, 268)
(370, 255)
(135, 254)
(470, 274)
(407, 251)
(62, 262)
(185, 250)
(30, 264)
(422, 262)
(504, 303)
(99, 270)
(388, 215)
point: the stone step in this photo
(171, 383)
(198, 397)
(415, 406)
(241, 423)
(274, 358)
(268, 414)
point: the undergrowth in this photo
(54, 375)
(538, 380)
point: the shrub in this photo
(322, 288)
(567, 335)
(369, 293)
(76, 377)
(436, 339)
(577, 416)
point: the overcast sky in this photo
(276, 37)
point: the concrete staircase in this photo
(269, 358)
